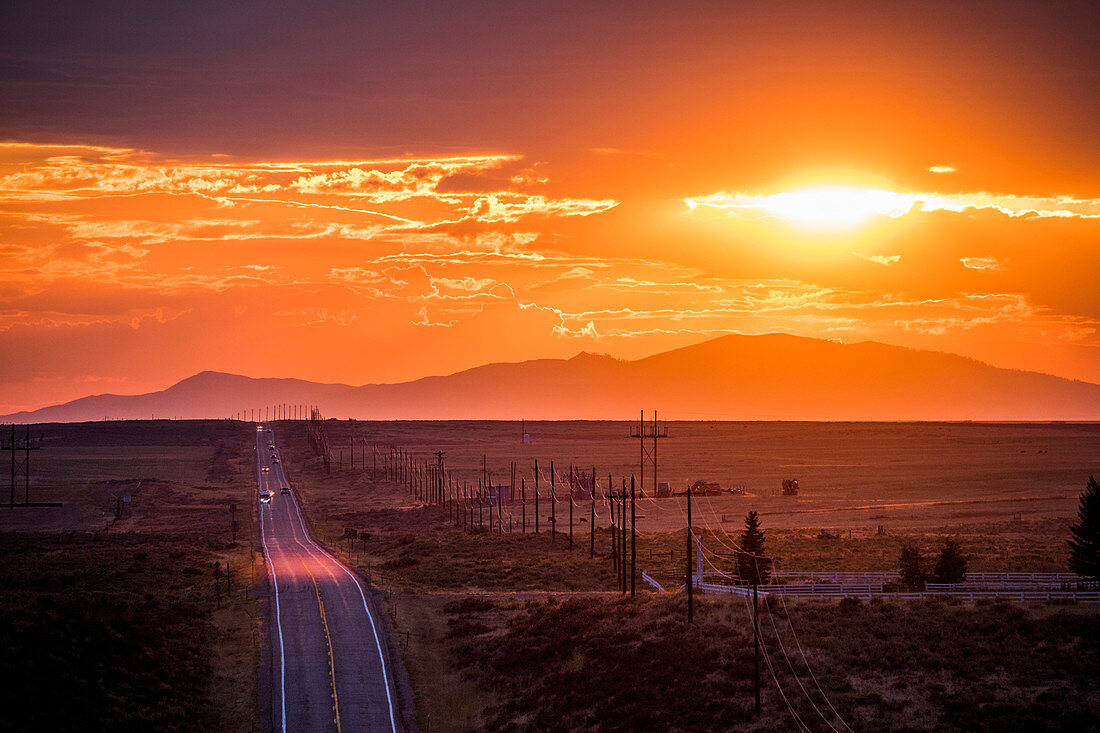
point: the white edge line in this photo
(278, 615)
(363, 597)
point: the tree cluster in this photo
(949, 565)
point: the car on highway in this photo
(285, 490)
(265, 497)
(264, 469)
(274, 459)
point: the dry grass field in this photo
(114, 621)
(514, 631)
(511, 631)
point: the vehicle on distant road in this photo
(264, 469)
(265, 497)
(274, 459)
(285, 490)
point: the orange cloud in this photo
(109, 255)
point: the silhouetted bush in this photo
(950, 563)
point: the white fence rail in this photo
(1007, 586)
(837, 592)
(650, 579)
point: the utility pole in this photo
(439, 460)
(12, 502)
(622, 529)
(641, 431)
(691, 608)
(656, 434)
(613, 528)
(523, 500)
(633, 539)
(756, 634)
(536, 496)
(570, 507)
(592, 520)
(553, 506)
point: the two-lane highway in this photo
(328, 666)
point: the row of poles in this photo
(431, 483)
(469, 505)
(280, 411)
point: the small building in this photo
(504, 491)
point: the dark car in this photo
(285, 490)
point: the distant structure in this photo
(498, 492)
(20, 448)
(644, 431)
(790, 487)
(707, 488)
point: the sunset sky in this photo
(368, 192)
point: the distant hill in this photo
(770, 377)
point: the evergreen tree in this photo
(1084, 545)
(754, 569)
(950, 564)
(911, 567)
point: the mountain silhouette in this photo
(769, 377)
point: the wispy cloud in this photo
(848, 206)
(880, 259)
(981, 263)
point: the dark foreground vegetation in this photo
(595, 663)
(116, 613)
(105, 632)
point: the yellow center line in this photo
(328, 640)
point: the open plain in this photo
(511, 630)
(507, 630)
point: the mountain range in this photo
(768, 377)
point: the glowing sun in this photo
(822, 207)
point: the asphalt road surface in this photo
(327, 666)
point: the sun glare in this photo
(826, 207)
(836, 207)
(833, 207)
